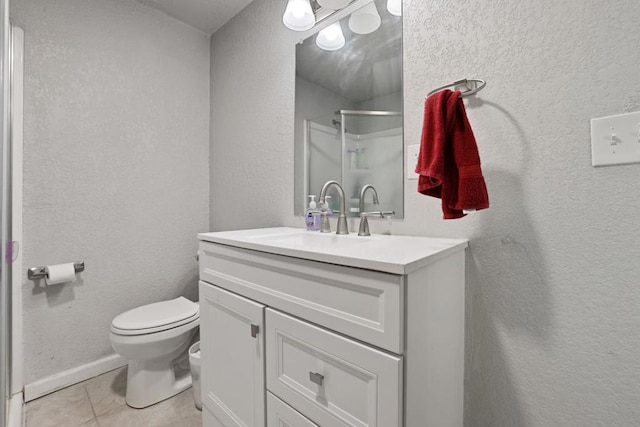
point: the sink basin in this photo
(315, 239)
(392, 254)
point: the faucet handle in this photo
(381, 214)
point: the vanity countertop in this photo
(390, 254)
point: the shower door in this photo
(5, 286)
(323, 152)
(363, 147)
(373, 154)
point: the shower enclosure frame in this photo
(343, 129)
(16, 142)
(5, 283)
(343, 137)
(12, 67)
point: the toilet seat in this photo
(156, 317)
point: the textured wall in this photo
(553, 332)
(252, 120)
(115, 167)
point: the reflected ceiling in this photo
(362, 66)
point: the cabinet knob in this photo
(255, 329)
(316, 378)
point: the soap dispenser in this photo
(327, 206)
(312, 216)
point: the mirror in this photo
(348, 113)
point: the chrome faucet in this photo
(363, 230)
(362, 193)
(325, 226)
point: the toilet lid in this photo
(157, 314)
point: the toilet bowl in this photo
(154, 339)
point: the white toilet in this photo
(155, 339)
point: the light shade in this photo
(394, 7)
(334, 4)
(298, 15)
(365, 20)
(331, 38)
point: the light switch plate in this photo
(615, 140)
(412, 160)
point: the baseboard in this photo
(72, 376)
(15, 411)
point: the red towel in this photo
(448, 163)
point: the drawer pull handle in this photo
(255, 329)
(316, 378)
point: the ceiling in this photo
(206, 15)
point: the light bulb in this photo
(331, 38)
(298, 15)
(331, 33)
(334, 4)
(365, 20)
(298, 12)
(394, 7)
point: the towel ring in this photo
(473, 86)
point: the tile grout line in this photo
(93, 411)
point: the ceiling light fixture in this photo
(394, 7)
(365, 20)
(299, 16)
(331, 38)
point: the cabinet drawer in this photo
(279, 414)
(366, 305)
(330, 379)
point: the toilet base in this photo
(151, 381)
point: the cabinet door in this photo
(232, 343)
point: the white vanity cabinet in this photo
(279, 414)
(234, 375)
(304, 329)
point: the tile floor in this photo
(99, 402)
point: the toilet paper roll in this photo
(60, 273)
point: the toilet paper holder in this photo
(35, 273)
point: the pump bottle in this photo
(311, 216)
